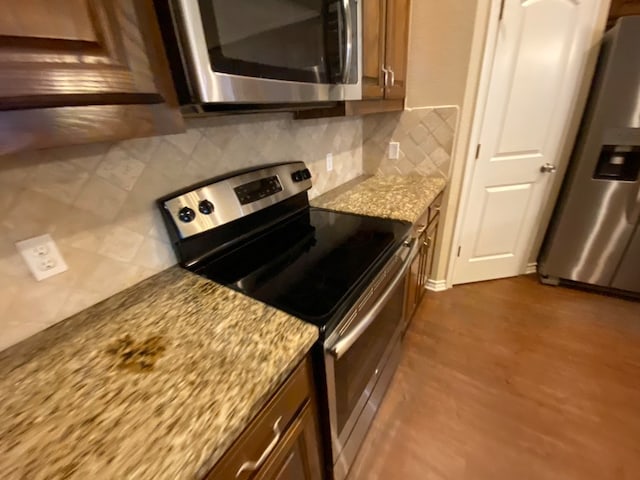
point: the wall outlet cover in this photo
(42, 256)
(329, 162)
(394, 150)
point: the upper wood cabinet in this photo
(77, 71)
(385, 34)
(385, 38)
(373, 42)
(622, 8)
(396, 48)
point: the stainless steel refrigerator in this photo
(594, 236)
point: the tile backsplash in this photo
(97, 201)
(426, 140)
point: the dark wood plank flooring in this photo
(512, 380)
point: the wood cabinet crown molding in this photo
(78, 71)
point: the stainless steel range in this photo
(255, 232)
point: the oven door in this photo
(361, 357)
(266, 51)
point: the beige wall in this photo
(426, 140)
(452, 206)
(446, 44)
(439, 49)
(97, 202)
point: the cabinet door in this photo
(430, 248)
(373, 54)
(412, 288)
(397, 39)
(298, 457)
(415, 279)
(422, 275)
(56, 54)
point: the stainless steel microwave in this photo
(264, 51)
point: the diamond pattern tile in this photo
(97, 201)
(426, 139)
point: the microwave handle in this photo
(345, 343)
(348, 44)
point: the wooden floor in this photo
(512, 380)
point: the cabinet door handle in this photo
(393, 77)
(386, 76)
(251, 466)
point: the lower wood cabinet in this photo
(426, 231)
(297, 458)
(283, 441)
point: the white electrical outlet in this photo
(394, 150)
(329, 162)
(42, 256)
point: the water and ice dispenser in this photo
(618, 162)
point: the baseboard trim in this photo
(436, 285)
(531, 268)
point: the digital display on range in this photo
(258, 189)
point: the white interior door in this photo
(540, 54)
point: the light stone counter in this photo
(153, 383)
(401, 197)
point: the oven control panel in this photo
(258, 189)
(218, 201)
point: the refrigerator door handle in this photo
(633, 209)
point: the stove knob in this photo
(297, 176)
(306, 174)
(206, 207)
(186, 215)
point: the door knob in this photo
(548, 168)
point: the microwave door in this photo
(265, 51)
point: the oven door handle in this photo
(344, 343)
(348, 44)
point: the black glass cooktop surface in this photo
(314, 266)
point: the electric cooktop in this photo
(312, 264)
(255, 232)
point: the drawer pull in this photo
(251, 466)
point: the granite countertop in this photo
(155, 382)
(401, 197)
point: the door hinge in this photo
(477, 151)
(501, 10)
(459, 248)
